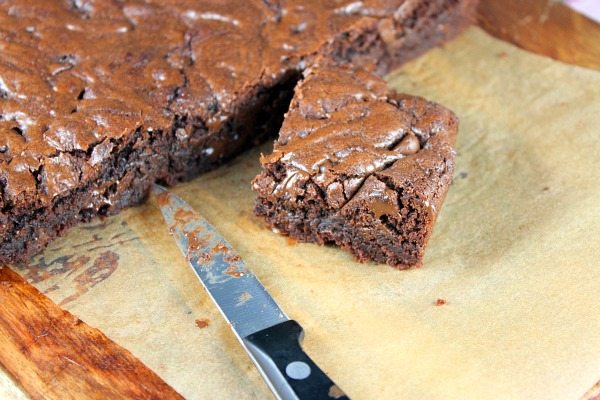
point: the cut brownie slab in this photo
(357, 166)
(98, 99)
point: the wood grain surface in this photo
(54, 355)
(545, 27)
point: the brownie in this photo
(359, 167)
(99, 99)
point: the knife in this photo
(270, 338)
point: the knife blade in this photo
(270, 338)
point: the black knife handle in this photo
(290, 373)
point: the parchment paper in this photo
(515, 253)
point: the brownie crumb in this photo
(440, 302)
(202, 323)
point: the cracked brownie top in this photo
(344, 126)
(76, 75)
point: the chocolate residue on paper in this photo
(103, 267)
(87, 263)
(52, 289)
(95, 238)
(202, 323)
(440, 302)
(113, 244)
(62, 265)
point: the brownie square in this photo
(358, 167)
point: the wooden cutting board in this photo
(545, 27)
(54, 355)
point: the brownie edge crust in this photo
(358, 167)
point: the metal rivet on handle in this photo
(298, 370)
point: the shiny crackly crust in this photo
(358, 166)
(100, 98)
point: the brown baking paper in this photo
(515, 255)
